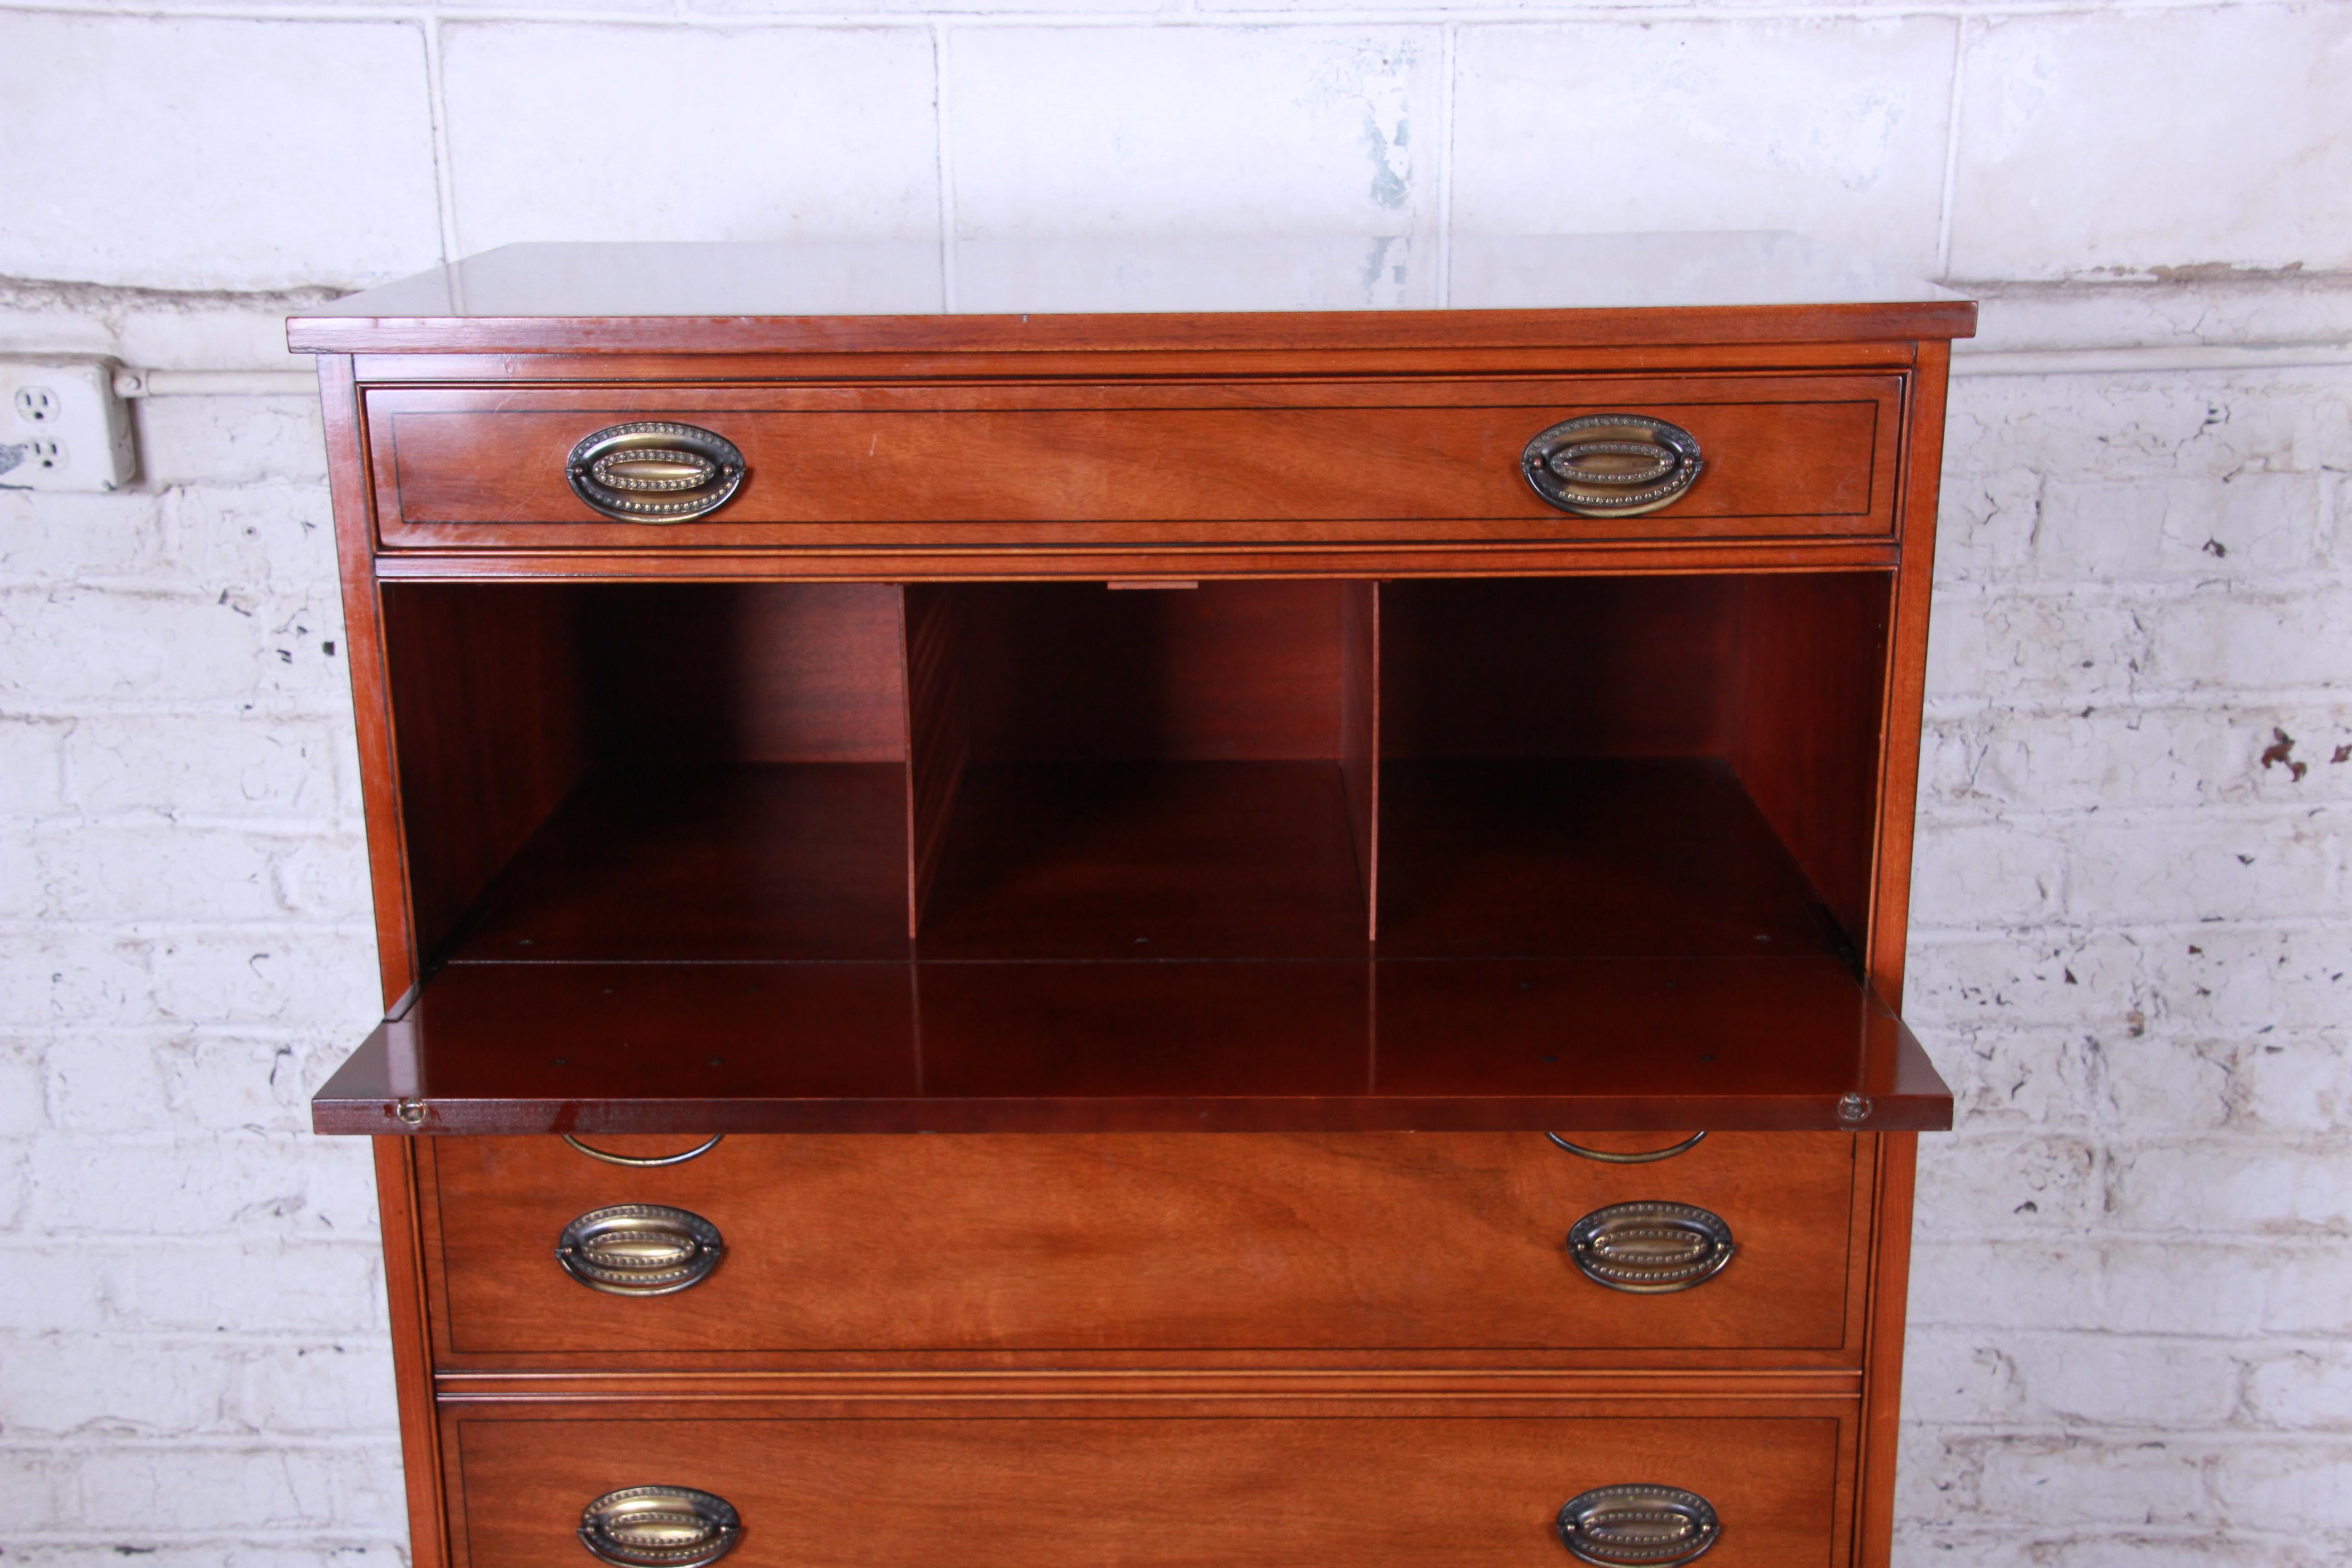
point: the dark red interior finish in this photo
(1231, 845)
(1311, 1046)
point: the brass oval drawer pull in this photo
(649, 1161)
(659, 1527)
(656, 471)
(1638, 1526)
(639, 1249)
(1611, 464)
(1646, 1157)
(1651, 1248)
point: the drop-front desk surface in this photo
(1215, 902)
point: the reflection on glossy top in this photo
(1145, 276)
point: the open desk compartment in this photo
(1286, 854)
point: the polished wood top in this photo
(1194, 294)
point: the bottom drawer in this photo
(863, 1491)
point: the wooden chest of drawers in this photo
(1163, 937)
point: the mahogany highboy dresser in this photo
(1207, 904)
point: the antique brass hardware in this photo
(639, 1249)
(1638, 1526)
(1651, 1248)
(1646, 1157)
(655, 471)
(659, 1527)
(1611, 464)
(647, 1161)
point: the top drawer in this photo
(1074, 465)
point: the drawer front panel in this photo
(1142, 1492)
(1132, 1243)
(1073, 466)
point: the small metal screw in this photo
(411, 1111)
(1853, 1110)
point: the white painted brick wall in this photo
(2132, 1307)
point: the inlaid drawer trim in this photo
(1080, 465)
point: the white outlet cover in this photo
(61, 426)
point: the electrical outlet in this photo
(62, 428)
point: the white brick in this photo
(2085, 646)
(2200, 866)
(181, 1487)
(2255, 978)
(285, 976)
(32, 765)
(63, 537)
(1836, 128)
(2303, 1389)
(2127, 1381)
(2244, 1187)
(328, 1389)
(108, 1081)
(1092, 130)
(266, 154)
(2050, 977)
(2071, 1481)
(727, 135)
(22, 1102)
(2065, 1545)
(2137, 528)
(2064, 170)
(198, 1186)
(277, 539)
(49, 1286)
(2151, 755)
(2157, 426)
(261, 1085)
(230, 440)
(74, 644)
(16, 1180)
(2248, 640)
(335, 1550)
(1958, 1376)
(208, 766)
(157, 872)
(1998, 874)
(2296, 1081)
(2301, 1487)
(2215, 1288)
(58, 1385)
(259, 1287)
(1992, 1183)
(2309, 1291)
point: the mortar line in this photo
(1952, 151)
(865, 21)
(1446, 98)
(436, 98)
(942, 123)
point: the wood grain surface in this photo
(1083, 1490)
(1076, 1243)
(868, 466)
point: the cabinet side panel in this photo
(1882, 1407)
(1898, 794)
(1807, 695)
(485, 699)
(412, 1359)
(371, 697)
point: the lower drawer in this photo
(1147, 1491)
(1120, 1244)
